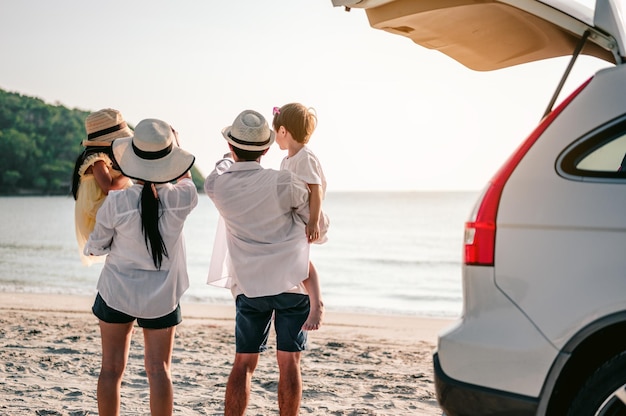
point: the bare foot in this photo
(314, 320)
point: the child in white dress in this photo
(294, 124)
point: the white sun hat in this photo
(152, 154)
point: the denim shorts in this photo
(109, 315)
(254, 318)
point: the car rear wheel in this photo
(604, 393)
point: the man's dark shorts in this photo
(107, 314)
(254, 318)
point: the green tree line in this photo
(39, 144)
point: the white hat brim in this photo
(162, 170)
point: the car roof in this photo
(486, 35)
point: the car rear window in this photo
(599, 155)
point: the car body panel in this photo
(458, 398)
(560, 227)
(500, 348)
(560, 264)
(487, 35)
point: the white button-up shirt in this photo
(129, 281)
(264, 212)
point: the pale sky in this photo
(392, 115)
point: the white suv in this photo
(543, 328)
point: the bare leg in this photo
(115, 347)
(158, 360)
(290, 383)
(238, 387)
(316, 314)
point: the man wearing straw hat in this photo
(264, 260)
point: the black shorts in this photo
(254, 318)
(109, 315)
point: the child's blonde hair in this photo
(297, 119)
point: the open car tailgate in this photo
(492, 34)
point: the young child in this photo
(95, 174)
(294, 124)
(145, 272)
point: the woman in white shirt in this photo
(145, 272)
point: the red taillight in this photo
(480, 230)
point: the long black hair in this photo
(150, 214)
(90, 150)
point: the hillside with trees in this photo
(39, 144)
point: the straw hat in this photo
(152, 154)
(104, 126)
(249, 131)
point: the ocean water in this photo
(388, 253)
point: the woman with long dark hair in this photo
(145, 274)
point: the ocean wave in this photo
(404, 262)
(16, 247)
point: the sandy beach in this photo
(356, 364)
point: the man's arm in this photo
(221, 166)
